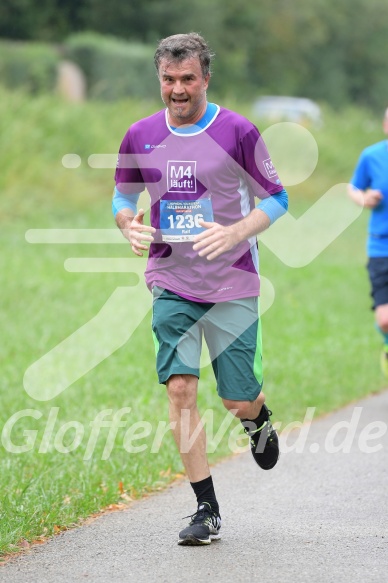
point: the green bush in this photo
(113, 68)
(31, 66)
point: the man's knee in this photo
(382, 317)
(182, 390)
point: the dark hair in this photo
(180, 47)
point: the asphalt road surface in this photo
(320, 516)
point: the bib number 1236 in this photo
(180, 219)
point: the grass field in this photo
(320, 347)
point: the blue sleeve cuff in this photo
(122, 201)
(274, 206)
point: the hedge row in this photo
(113, 69)
(30, 66)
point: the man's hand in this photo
(369, 198)
(133, 229)
(215, 240)
(372, 198)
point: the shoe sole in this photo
(266, 467)
(192, 541)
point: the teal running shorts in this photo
(232, 331)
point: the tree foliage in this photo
(324, 49)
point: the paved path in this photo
(319, 516)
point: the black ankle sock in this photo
(204, 491)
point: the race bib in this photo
(179, 219)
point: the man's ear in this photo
(206, 80)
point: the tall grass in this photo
(320, 348)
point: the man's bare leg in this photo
(190, 437)
(188, 431)
(381, 315)
(245, 409)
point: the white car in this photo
(297, 109)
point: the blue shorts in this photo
(378, 275)
(232, 331)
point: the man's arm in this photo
(123, 220)
(130, 221)
(369, 198)
(132, 227)
(217, 239)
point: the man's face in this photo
(183, 90)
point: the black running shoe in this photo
(264, 441)
(204, 527)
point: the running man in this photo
(203, 166)
(369, 188)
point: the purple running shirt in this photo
(212, 171)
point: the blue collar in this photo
(205, 120)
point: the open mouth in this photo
(179, 101)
